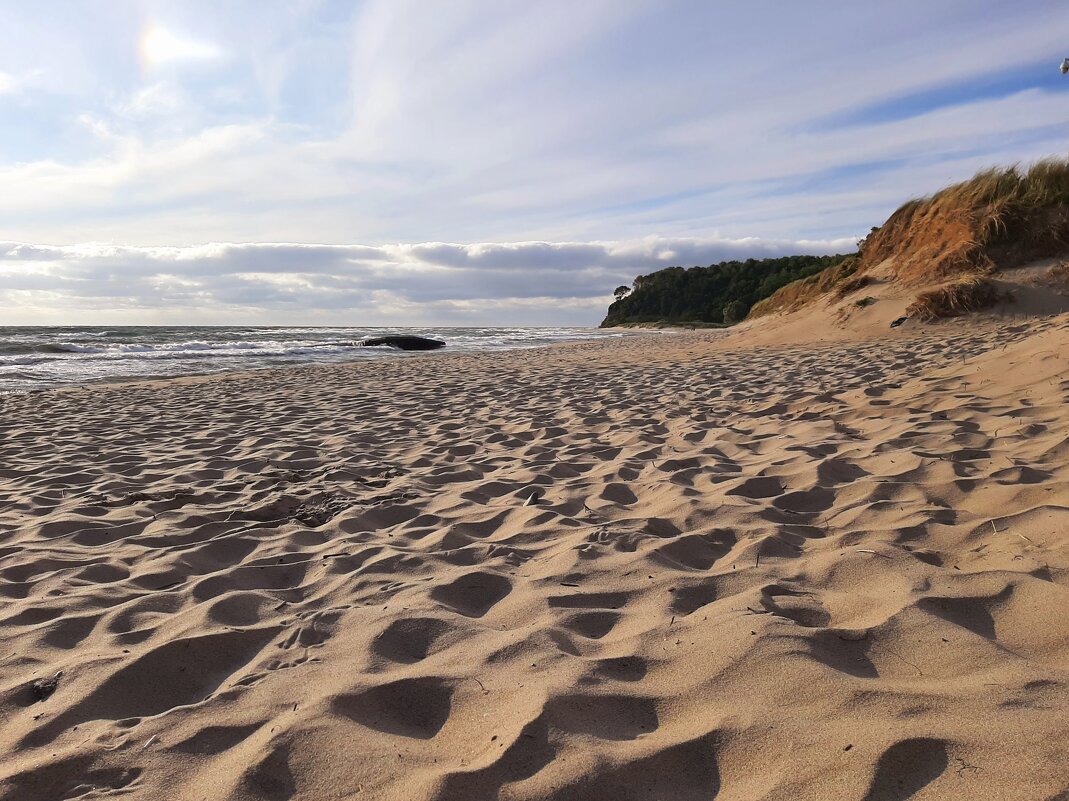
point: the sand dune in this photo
(668, 567)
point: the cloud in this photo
(155, 99)
(160, 46)
(555, 121)
(11, 84)
(551, 283)
(577, 144)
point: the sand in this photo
(678, 566)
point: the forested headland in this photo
(718, 294)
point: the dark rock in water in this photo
(404, 342)
(898, 322)
(42, 688)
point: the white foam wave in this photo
(50, 357)
(198, 347)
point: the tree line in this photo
(720, 293)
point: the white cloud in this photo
(559, 125)
(11, 84)
(564, 282)
(160, 46)
(263, 181)
(155, 98)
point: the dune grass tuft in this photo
(1058, 276)
(997, 218)
(951, 300)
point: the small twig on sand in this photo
(899, 656)
(481, 686)
(874, 553)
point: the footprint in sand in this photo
(970, 612)
(808, 501)
(177, 673)
(474, 594)
(619, 494)
(239, 608)
(796, 605)
(589, 600)
(68, 778)
(416, 708)
(216, 739)
(687, 771)
(760, 487)
(607, 717)
(620, 668)
(696, 551)
(906, 768)
(687, 600)
(70, 631)
(271, 779)
(592, 625)
(410, 640)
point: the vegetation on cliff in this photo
(999, 218)
(720, 293)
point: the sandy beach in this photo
(676, 566)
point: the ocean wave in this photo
(194, 347)
(24, 360)
(53, 356)
(11, 348)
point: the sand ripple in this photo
(660, 568)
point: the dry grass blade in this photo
(852, 285)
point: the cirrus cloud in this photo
(573, 144)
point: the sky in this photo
(479, 162)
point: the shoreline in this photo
(50, 356)
(134, 379)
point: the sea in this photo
(35, 358)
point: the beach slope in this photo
(675, 566)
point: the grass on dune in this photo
(951, 300)
(998, 217)
(1001, 217)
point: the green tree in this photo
(722, 292)
(735, 311)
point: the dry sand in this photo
(837, 571)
